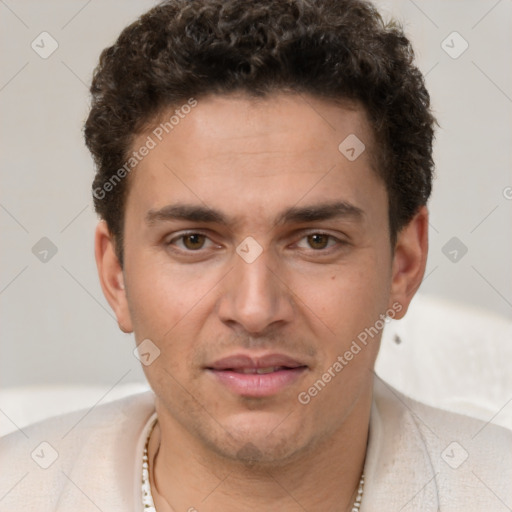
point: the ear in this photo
(409, 261)
(111, 276)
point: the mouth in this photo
(260, 371)
(252, 376)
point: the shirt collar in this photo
(399, 473)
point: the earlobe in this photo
(111, 276)
(409, 260)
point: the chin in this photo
(264, 440)
(260, 453)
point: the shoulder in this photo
(470, 460)
(466, 435)
(75, 450)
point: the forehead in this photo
(251, 154)
(288, 123)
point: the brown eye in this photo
(194, 241)
(318, 241)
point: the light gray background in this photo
(56, 327)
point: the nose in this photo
(255, 297)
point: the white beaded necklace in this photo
(147, 497)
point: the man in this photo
(263, 170)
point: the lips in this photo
(257, 376)
(259, 371)
(264, 364)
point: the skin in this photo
(305, 297)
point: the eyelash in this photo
(338, 243)
(184, 235)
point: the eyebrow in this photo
(325, 211)
(294, 214)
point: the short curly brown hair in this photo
(333, 49)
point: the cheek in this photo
(348, 298)
(169, 309)
(162, 297)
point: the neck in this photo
(187, 476)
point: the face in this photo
(256, 253)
